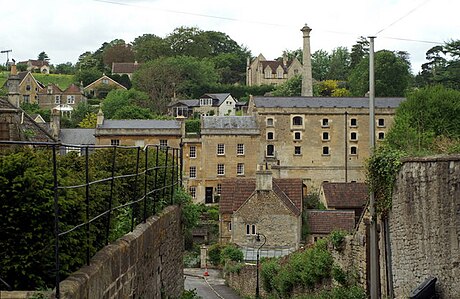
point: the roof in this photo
(218, 97)
(229, 122)
(140, 124)
(324, 102)
(100, 80)
(274, 64)
(188, 103)
(36, 63)
(55, 89)
(236, 191)
(325, 221)
(125, 67)
(345, 195)
(72, 89)
(77, 136)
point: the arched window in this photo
(297, 121)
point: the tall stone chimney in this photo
(100, 118)
(307, 80)
(13, 86)
(263, 179)
(55, 123)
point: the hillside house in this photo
(209, 104)
(101, 87)
(125, 68)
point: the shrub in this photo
(269, 270)
(231, 253)
(339, 275)
(214, 254)
(337, 237)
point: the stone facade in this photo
(261, 71)
(146, 263)
(425, 226)
(318, 139)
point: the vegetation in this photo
(219, 255)
(307, 270)
(63, 81)
(26, 192)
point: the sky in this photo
(64, 29)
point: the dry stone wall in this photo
(425, 226)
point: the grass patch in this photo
(63, 81)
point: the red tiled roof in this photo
(324, 222)
(55, 89)
(125, 67)
(345, 195)
(236, 191)
(72, 89)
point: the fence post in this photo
(172, 176)
(136, 184)
(165, 177)
(112, 183)
(56, 222)
(88, 233)
(155, 191)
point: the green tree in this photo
(392, 75)
(359, 51)
(119, 52)
(339, 64)
(118, 98)
(292, 87)
(43, 56)
(133, 112)
(89, 121)
(290, 55)
(150, 47)
(320, 63)
(331, 88)
(87, 76)
(65, 68)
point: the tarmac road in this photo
(208, 287)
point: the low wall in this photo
(146, 263)
(245, 281)
(425, 226)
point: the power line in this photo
(404, 16)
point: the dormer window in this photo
(268, 73)
(205, 102)
(279, 73)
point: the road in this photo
(208, 287)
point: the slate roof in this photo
(325, 221)
(125, 67)
(77, 136)
(140, 124)
(345, 195)
(229, 122)
(274, 64)
(236, 191)
(324, 102)
(188, 103)
(218, 98)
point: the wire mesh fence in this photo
(76, 199)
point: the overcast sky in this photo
(64, 29)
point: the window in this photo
(268, 73)
(279, 74)
(326, 151)
(219, 189)
(192, 191)
(115, 142)
(325, 122)
(4, 131)
(221, 149)
(297, 136)
(270, 136)
(70, 99)
(381, 122)
(229, 226)
(240, 169)
(192, 151)
(353, 136)
(26, 99)
(57, 100)
(297, 121)
(250, 229)
(353, 150)
(220, 169)
(163, 143)
(353, 122)
(381, 135)
(269, 122)
(240, 149)
(270, 150)
(297, 150)
(325, 135)
(105, 81)
(28, 88)
(192, 172)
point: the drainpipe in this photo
(389, 268)
(346, 146)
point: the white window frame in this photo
(328, 151)
(240, 169)
(328, 136)
(355, 136)
(381, 122)
(300, 150)
(163, 143)
(351, 122)
(192, 152)
(270, 122)
(115, 142)
(70, 99)
(351, 150)
(251, 230)
(192, 172)
(381, 134)
(240, 149)
(219, 189)
(325, 123)
(220, 149)
(297, 117)
(273, 135)
(192, 191)
(57, 99)
(266, 152)
(300, 135)
(220, 169)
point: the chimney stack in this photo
(55, 123)
(307, 80)
(100, 118)
(263, 179)
(13, 86)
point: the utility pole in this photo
(7, 56)
(374, 259)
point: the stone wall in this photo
(244, 281)
(425, 226)
(146, 263)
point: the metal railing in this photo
(161, 177)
